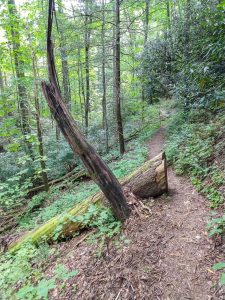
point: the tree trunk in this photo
(64, 61)
(104, 108)
(147, 6)
(81, 84)
(118, 81)
(37, 115)
(150, 180)
(187, 30)
(19, 69)
(87, 70)
(1, 82)
(96, 167)
(3, 97)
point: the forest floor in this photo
(163, 254)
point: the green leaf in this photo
(72, 273)
(62, 273)
(219, 266)
(26, 292)
(222, 279)
(44, 287)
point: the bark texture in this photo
(87, 36)
(118, 79)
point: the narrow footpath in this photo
(186, 247)
(164, 254)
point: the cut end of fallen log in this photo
(150, 180)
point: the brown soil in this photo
(165, 255)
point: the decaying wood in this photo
(149, 180)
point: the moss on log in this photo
(150, 180)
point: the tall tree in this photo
(1, 82)
(37, 116)
(147, 9)
(19, 69)
(117, 78)
(187, 29)
(87, 33)
(64, 57)
(104, 107)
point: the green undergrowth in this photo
(191, 149)
(195, 147)
(22, 275)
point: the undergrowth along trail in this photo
(163, 251)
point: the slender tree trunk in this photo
(169, 38)
(118, 81)
(57, 133)
(187, 30)
(168, 14)
(81, 81)
(146, 29)
(131, 42)
(98, 170)
(147, 9)
(87, 71)
(80, 88)
(3, 96)
(19, 70)
(104, 107)
(187, 47)
(64, 60)
(80, 75)
(37, 115)
(1, 82)
(114, 124)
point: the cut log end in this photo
(150, 180)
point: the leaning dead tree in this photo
(150, 180)
(98, 170)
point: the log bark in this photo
(150, 180)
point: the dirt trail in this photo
(166, 254)
(187, 247)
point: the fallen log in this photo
(150, 180)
